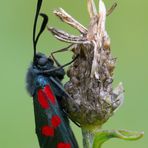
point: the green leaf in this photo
(104, 135)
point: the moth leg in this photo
(57, 51)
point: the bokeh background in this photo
(128, 29)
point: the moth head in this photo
(43, 62)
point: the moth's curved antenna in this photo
(44, 23)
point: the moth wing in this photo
(52, 129)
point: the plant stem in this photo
(88, 137)
(88, 134)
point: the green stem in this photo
(87, 138)
(88, 134)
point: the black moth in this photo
(44, 85)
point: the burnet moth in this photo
(44, 85)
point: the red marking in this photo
(55, 121)
(42, 99)
(49, 94)
(63, 145)
(47, 131)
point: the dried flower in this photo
(90, 84)
(91, 76)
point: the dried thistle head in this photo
(91, 75)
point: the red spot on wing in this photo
(47, 131)
(63, 145)
(42, 99)
(55, 121)
(49, 94)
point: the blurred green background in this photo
(128, 29)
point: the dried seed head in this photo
(90, 76)
(94, 100)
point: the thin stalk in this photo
(88, 134)
(88, 137)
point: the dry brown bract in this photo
(90, 84)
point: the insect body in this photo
(52, 125)
(44, 84)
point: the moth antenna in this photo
(44, 23)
